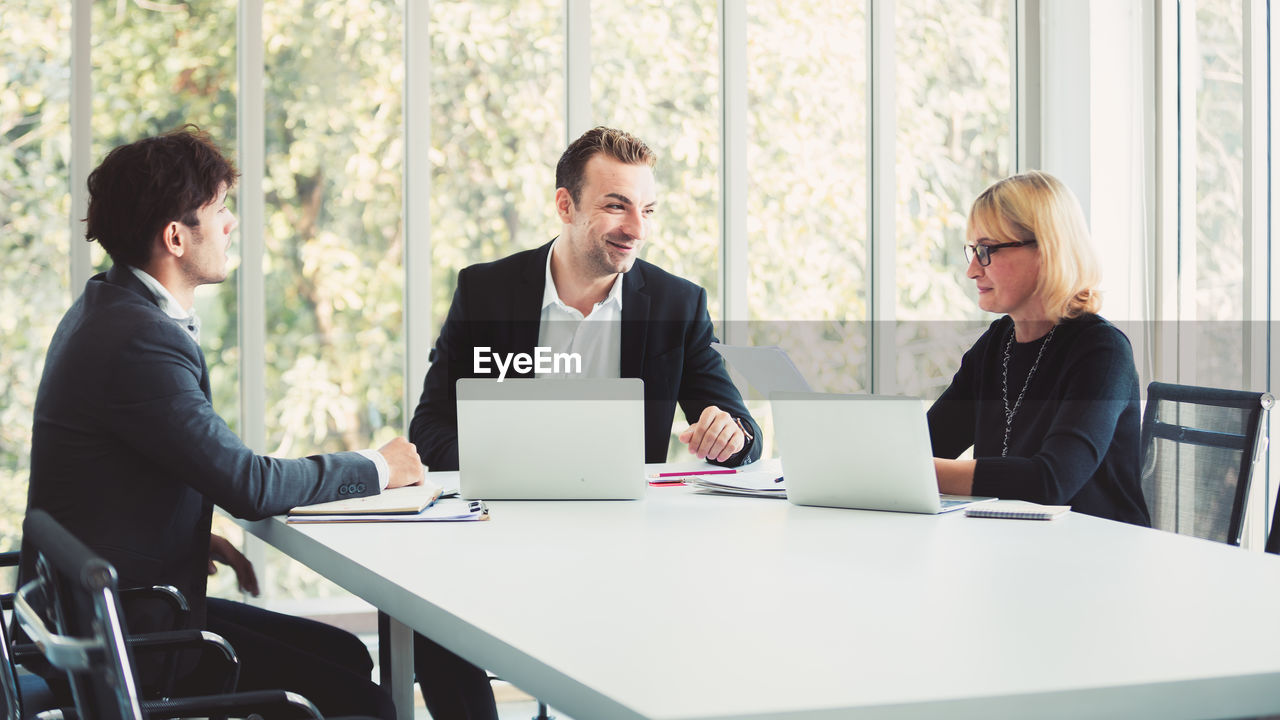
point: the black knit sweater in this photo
(1075, 439)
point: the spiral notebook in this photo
(1016, 510)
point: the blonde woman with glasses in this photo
(1048, 396)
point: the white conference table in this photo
(688, 606)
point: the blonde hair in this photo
(1037, 206)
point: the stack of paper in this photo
(412, 503)
(402, 500)
(448, 510)
(750, 484)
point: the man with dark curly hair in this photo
(128, 454)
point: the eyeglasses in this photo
(984, 252)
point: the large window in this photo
(497, 129)
(954, 138)
(334, 238)
(655, 73)
(1211, 168)
(157, 67)
(334, 219)
(35, 235)
(807, 164)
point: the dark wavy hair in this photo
(621, 146)
(143, 186)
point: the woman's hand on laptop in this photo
(716, 435)
(403, 461)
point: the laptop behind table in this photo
(869, 452)
(551, 439)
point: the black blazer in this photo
(666, 342)
(128, 454)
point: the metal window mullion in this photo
(1188, 329)
(251, 298)
(577, 68)
(1166, 214)
(1256, 253)
(733, 170)
(79, 262)
(418, 326)
(1143, 329)
(881, 196)
(251, 282)
(1026, 83)
(1273, 261)
(1188, 74)
(1255, 194)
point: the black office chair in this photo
(72, 613)
(25, 694)
(1273, 537)
(1199, 446)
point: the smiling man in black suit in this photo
(128, 453)
(587, 293)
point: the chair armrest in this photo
(171, 595)
(167, 593)
(175, 640)
(270, 704)
(165, 642)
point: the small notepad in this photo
(1016, 510)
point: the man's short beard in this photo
(600, 259)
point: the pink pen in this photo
(726, 471)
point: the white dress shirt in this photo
(596, 338)
(188, 321)
(169, 305)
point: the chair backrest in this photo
(71, 612)
(10, 692)
(24, 694)
(1273, 537)
(1198, 451)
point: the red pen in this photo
(693, 472)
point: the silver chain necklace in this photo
(1010, 412)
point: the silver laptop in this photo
(768, 369)
(551, 439)
(870, 452)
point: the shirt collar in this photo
(169, 305)
(550, 296)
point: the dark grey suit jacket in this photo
(666, 341)
(128, 454)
